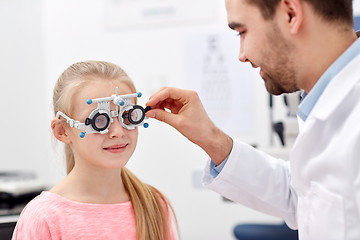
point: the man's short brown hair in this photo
(330, 10)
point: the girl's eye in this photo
(101, 121)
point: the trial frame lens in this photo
(134, 116)
(99, 122)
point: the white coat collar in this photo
(337, 90)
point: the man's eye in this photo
(240, 33)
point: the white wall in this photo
(23, 102)
(41, 38)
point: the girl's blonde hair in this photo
(150, 206)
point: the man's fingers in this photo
(163, 116)
(157, 92)
(164, 94)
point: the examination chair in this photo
(264, 232)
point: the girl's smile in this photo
(118, 148)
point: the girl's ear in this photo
(59, 130)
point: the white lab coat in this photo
(318, 190)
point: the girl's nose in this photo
(115, 129)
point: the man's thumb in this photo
(162, 116)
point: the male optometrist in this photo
(307, 45)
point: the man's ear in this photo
(294, 11)
(59, 130)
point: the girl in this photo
(99, 198)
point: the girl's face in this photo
(111, 150)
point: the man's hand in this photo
(183, 110)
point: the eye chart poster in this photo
(225, 85)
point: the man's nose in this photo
(242, 56)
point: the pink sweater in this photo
(50, 216)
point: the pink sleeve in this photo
(31, 226)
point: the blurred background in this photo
(185, 44)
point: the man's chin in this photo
(273, 89)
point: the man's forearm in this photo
(218, 147)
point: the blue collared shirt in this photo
(308, 103)
(215, 170)
(309, 100)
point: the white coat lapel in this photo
(337, 90)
